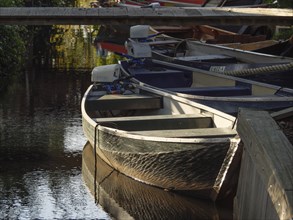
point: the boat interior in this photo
(147, 114)
(200, 83)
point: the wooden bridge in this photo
(156, 16)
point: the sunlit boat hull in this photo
(161, 152)
(125, 198)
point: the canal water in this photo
(41, 146)
(41, 143)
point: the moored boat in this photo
(242, 63)
(215, 58)
(195, 48)
(112, 37)
(156, 137)
(269, 68)
(164, 3)
(125, 198)
(223, 92)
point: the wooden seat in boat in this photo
(163, 77)
(214, 91)
(163, 42)
(124, 102)
(210, 58)
(159, 122)
(155, 71)
(192, 133)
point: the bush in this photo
(12, 47)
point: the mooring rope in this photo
(97, 143)
(106, 177)
(95, 154)
(260, 70)
(177, 47)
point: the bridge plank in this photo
(134, 16)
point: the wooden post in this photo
(265, 188)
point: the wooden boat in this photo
(267, 68)
(208, 34)
(230, 61)
(225, 93)
(196, 3)
(112, 37)
(257, 46)
(125, 198)
(234, 3)
(195, 48)
(164, 3)
(284, 48)
(156, 137)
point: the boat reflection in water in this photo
(126, 198)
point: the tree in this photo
(12, 47)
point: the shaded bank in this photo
(25, 45)
(67, 48)
(12, 50)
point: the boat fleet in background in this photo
(218, 76)
(165, 115)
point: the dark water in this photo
(41, 142)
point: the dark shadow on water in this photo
(41, 141)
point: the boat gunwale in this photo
(223, 48)
(131, 135)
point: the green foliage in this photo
(11, 3)
(50, 3)
(15, 41)
(12, 50)
(112, 58)
(284, 34)
(280, 3)
(268, 1)
(12, 46)
(285, 3)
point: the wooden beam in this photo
(134, 16)
(285, 113)
(123, 102)
(159, 122)
(195, 132)
(266, 177)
